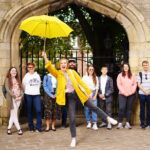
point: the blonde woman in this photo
(69, 87)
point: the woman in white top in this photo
(92, 82)
(31, 84)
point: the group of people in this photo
(64, 87)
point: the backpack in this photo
(140, 75)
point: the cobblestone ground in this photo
(87, 139)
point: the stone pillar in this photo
(138, 53)
(4, 65)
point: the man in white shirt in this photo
(106, 90)
(144, 95)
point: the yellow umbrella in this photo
(45, 26)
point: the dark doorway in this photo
(100, 40)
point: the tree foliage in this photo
(97, 33)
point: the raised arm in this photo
(45, 57)
(49, 66)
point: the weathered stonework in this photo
(133, 15)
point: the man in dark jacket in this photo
(106, 90)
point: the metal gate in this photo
(83, 58)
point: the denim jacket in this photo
(47, 85)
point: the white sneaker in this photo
(120, 126)
(148, 127)
(89, 125)
(103, 124)
(73, 142)
(128, 126)
(109, 126)
(112, 121)
(95, 126)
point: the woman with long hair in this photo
(14, 96)
(127, 84)
(70, 87)
(91, 81)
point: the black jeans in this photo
(106, 106)
(125, 107)
(64, 115)
(72, 98)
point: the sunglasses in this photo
(91, 69)
(30, 67)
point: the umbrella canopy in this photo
(45, 26)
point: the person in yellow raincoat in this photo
(69, 87)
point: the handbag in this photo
(4, 90)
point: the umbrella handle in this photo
(44, 44)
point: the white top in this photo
(31, 83)
(54, 81)
(103, 83)
(89, 82)
(69, 86)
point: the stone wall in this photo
(133, 15)
(143, 6)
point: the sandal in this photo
(9, 131)
(47, 130)
(53, 129)
(20, 132)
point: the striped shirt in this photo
(145, 81)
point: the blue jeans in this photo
(34, 100)
(144, 104)
(90, 115)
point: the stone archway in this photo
(126, 14)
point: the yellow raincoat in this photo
(77, 83)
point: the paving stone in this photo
(87, 139)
